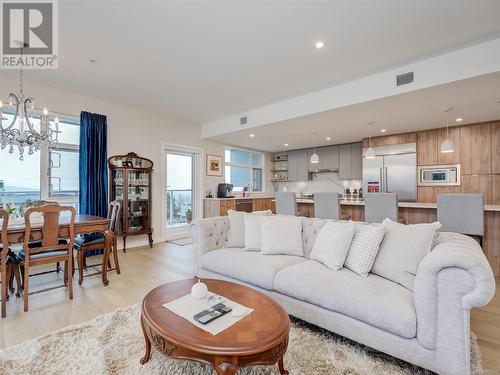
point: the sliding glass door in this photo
(179, 188)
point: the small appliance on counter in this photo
(224, 190)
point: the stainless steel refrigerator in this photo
(392, 170)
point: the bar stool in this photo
(327, 206)
(286, 203)
(462, 213)
(380, 206)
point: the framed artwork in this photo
(214, 165)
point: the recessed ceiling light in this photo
(460, 119)
(252, 135)
(383, 130)
(319, 44)
(286, 144)
(328, 138)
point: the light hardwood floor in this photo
(142, 270)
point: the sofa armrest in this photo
(208, 234)
(453, 278)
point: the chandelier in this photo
(28, 128)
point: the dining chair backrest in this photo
(4, 215)
(327, 205)
(286, 203)
(461, 213)
(51, 214)
(380, 206)
(114, 211)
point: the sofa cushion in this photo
(373, 299)
(281, 235)
(332, 244)
(310, 230)
(364, 248)
(253, 236)
(248, 266)
(402, 250)
(236, 233)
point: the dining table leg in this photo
(108, 236)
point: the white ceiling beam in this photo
(453, 66)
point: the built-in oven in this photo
(439, 175)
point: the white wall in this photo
(129, 130)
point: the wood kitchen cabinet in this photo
(495, 189)
(477, 184)
(395, 139)
(495, 148)
(475, 153)
(262, 204)
(428, 194)
(217, 207)
(350, 161)
(427, 147)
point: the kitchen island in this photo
(415, 213)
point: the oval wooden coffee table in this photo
(259, 338)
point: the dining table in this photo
(84, 224)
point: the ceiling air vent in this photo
(243, 120)
(404, 79)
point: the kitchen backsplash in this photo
(321, 182)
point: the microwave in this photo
(439, 175)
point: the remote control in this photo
(208, 315)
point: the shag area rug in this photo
(113, 344)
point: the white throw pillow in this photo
(281, 235)
(332, 244)
(236, 234)
(403, 249)
(364, 248)
(252, 232)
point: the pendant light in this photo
(447, 146)
(370, 152)
(314, 157)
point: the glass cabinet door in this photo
(117, 185)
(138, 201)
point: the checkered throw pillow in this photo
(364, 248)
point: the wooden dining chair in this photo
(4, 249)
(52, 248)
(97, 241)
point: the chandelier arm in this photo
(30, 125)
(13, 96)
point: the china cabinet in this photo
(130, 184)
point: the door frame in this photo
(169, 234)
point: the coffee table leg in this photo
(148, 345)
(282, 367)
(226, 369)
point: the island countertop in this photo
(487, 207)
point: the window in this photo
(46, 174)
(243, 168)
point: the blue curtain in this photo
(93, 166)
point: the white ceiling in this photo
(475, 100)
(205, 60)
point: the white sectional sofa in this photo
(428, 326)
